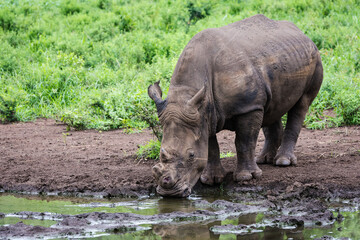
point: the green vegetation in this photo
(227, 154)
(88, 63)
(7, 110)
(150, 150)
(345, 229)
(72, 206)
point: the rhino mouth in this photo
(178, 190)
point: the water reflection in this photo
(186, 231)
(247, 219)
(182, 231)
(202, 230)
(270, 233)
(169, 205)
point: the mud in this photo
(42, 157)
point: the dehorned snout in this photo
(158, 170)
(167, 181)
(163, 177)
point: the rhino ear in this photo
(196, 100)
(155, 93)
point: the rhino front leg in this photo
(273, 135)
(214, 172)
(247, 131)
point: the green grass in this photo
(227, 154)
(151, 150)
(88, 63)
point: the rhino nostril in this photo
(167, 182)
(166, 179)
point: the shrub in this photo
(103, 4)
(7, 110)
(149, 151)
(349, 107)
(77, 121)
(125, 24)
(149, 115)
(9, 62)
(7, 19)
(70, 7)
(198, 11)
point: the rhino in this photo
(241, 77)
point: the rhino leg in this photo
(273, 135)
(247, 130)
(296, 116)
(214, 172)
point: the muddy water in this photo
(158, 218)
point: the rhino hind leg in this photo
(273, 135)
(214, 172)
(247, 131)
(296, 116)
(285, 156)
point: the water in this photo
(257, 225)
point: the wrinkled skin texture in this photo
(241, 77)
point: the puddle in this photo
(73, 206)
(53, 217)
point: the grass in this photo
(227, 154)
(150, 150)
(88, 63)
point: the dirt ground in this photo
(43, 157)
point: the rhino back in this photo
(261, 64)
(256, 63)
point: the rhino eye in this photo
(191, 155)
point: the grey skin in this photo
(242, 77)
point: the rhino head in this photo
(184, 147)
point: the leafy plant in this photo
(7, 19)
(76, 121)
(70, 7)
(227, 154)
(149, 151)
(198, 11)
(7, 110)
(149, 116)
(349, 107)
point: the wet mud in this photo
(277, 216)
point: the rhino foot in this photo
(285, 160)
(213, 175)
(265, 159)
(245, 175)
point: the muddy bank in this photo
(43, 157)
